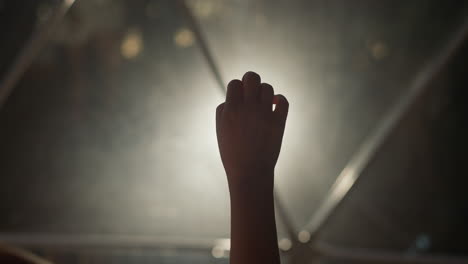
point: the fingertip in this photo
(280, 99)
(282, 108)
(234, 92)
(267, 86)
(234, 83)
(251, 84)
(267, 95)
(251, 76)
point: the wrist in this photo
(251, 185)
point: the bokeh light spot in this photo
(184, 38)
(132, 44)
(304, 236)
(285, 244)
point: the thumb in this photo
(281, 109)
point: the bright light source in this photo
(132, 44)
(217, 252)
(285, 244)
(222, 248)
(304, 236)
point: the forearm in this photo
(249, 136)
(253, 227)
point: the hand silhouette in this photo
(249, 131)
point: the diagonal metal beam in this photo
(32, 48)
(364, 154)
(203, 44)
(285, 220)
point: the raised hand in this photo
(249, 138)
(249, 131)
